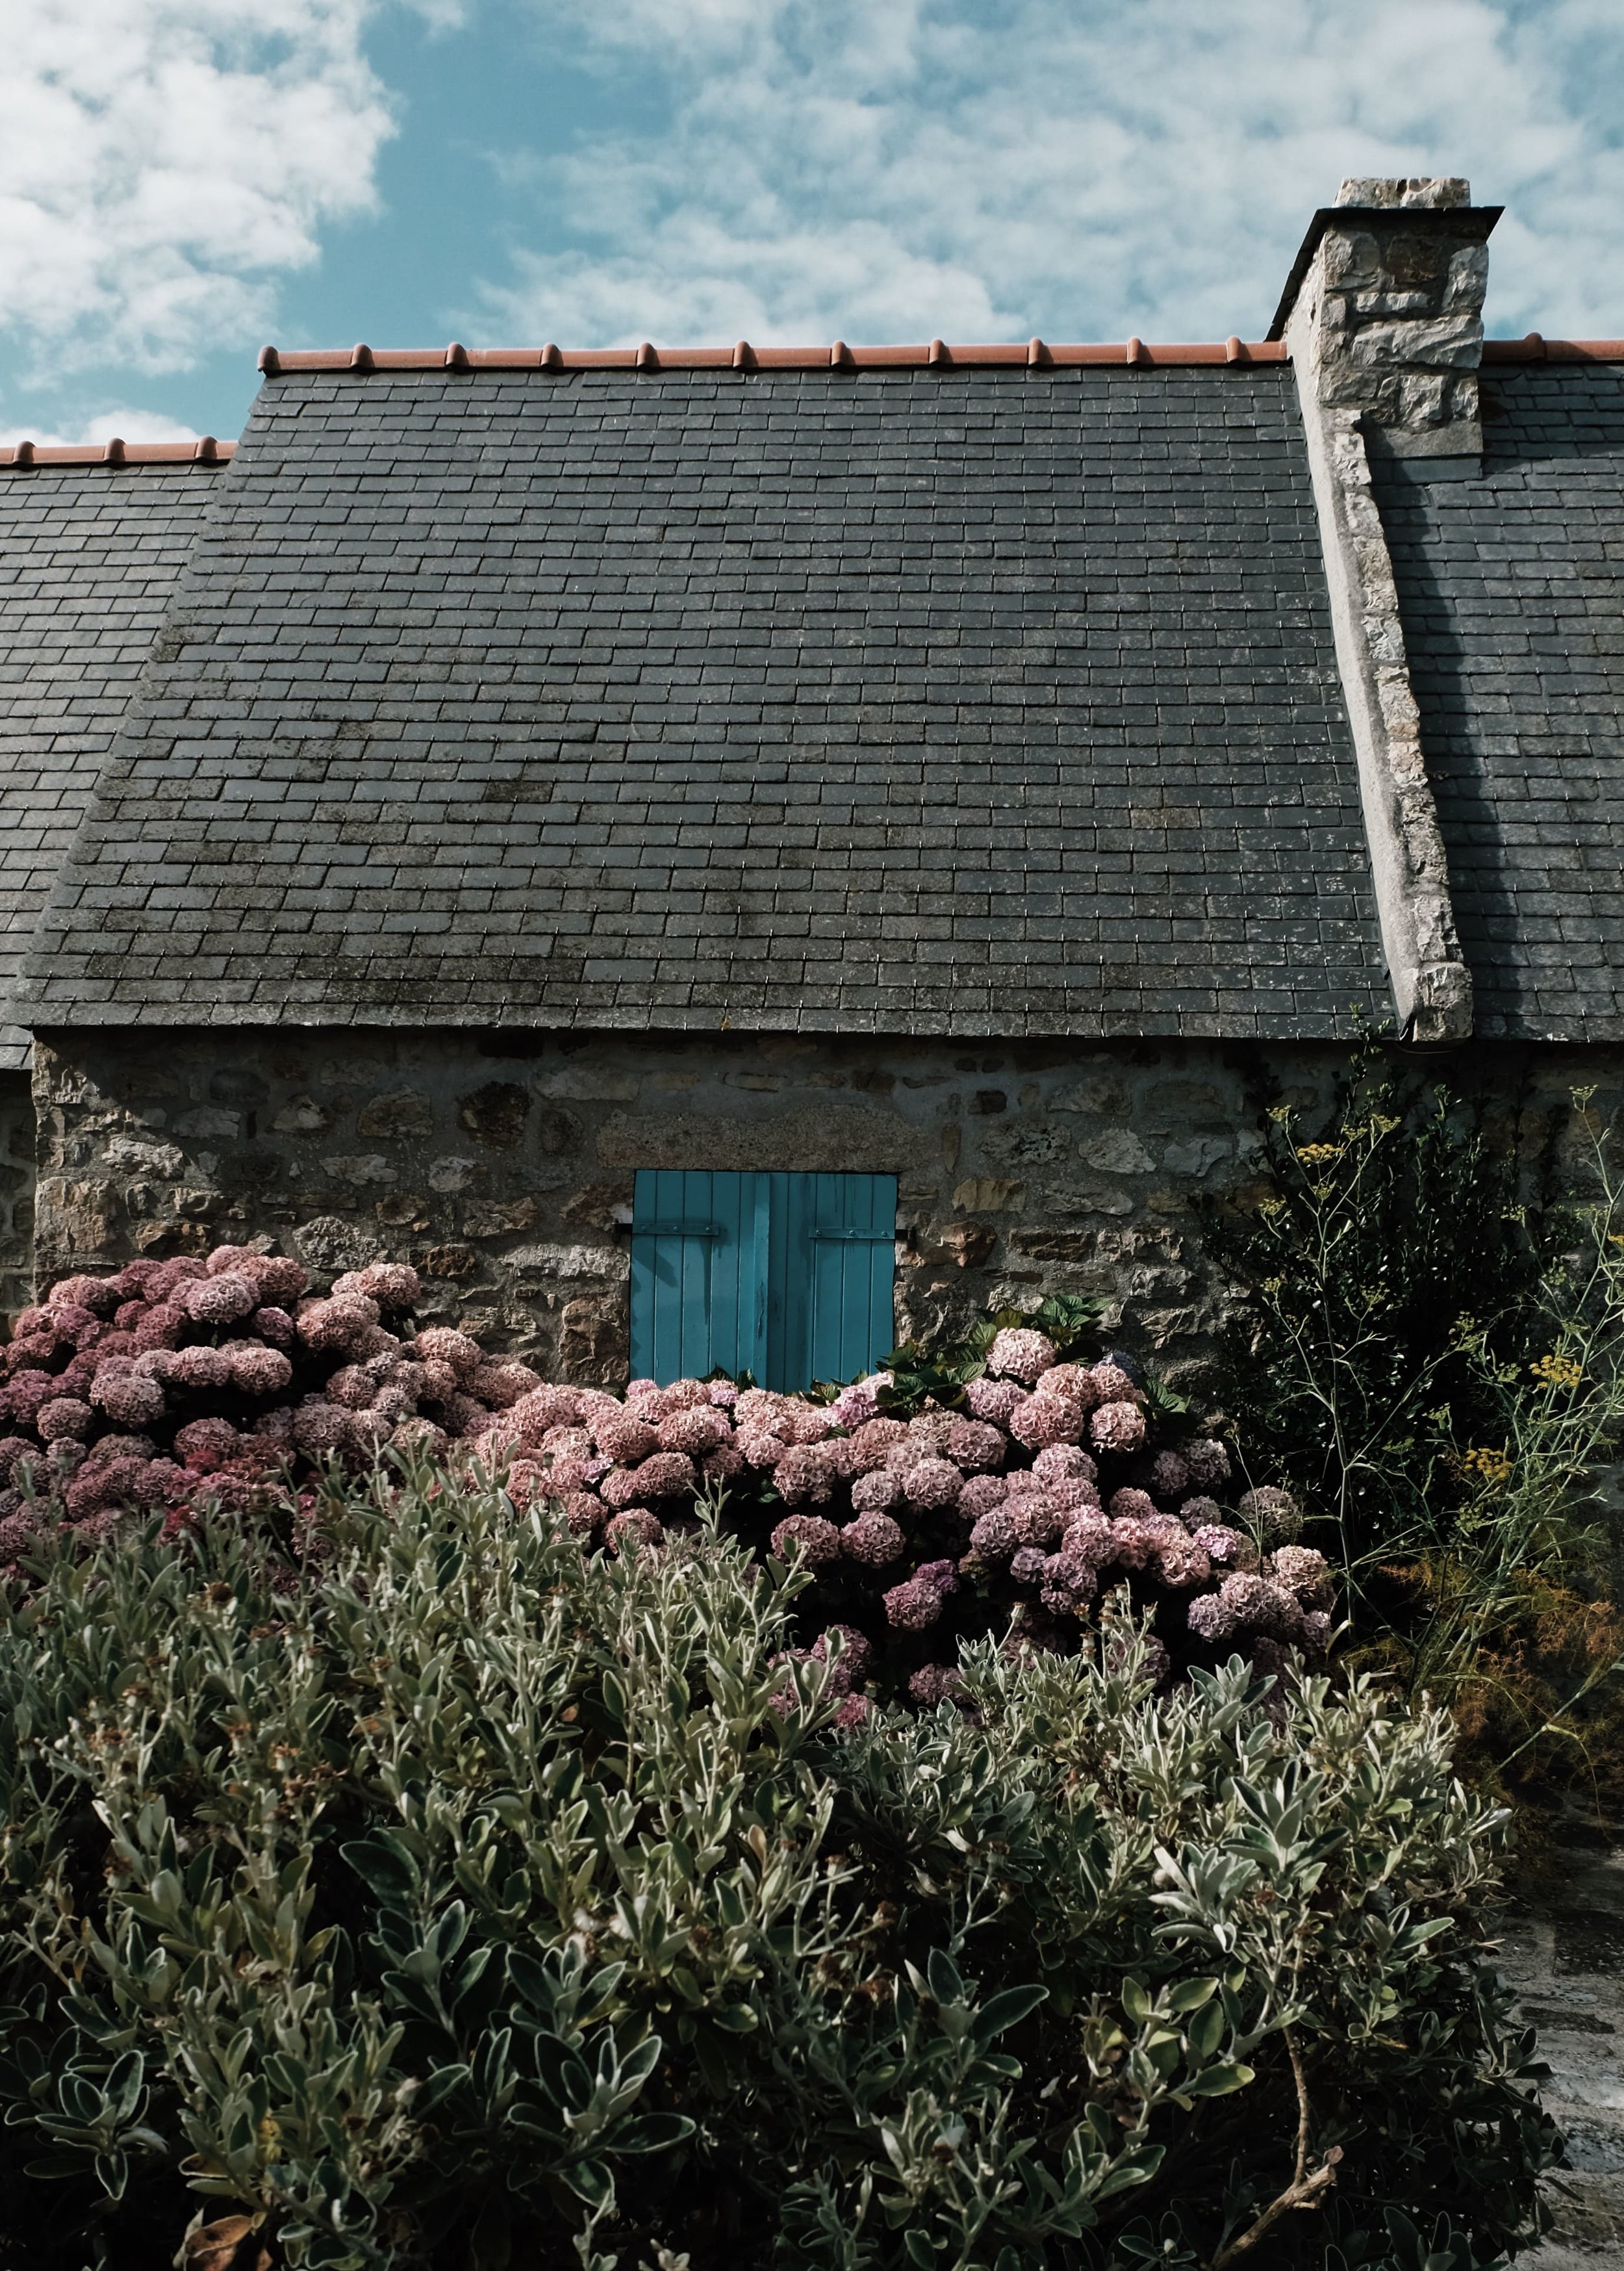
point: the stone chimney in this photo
(1382, 315)
(1384, 307)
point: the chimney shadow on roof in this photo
(1508, 590)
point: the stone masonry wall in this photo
(16, 1192)
(502, 1167)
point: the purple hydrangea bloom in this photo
(1208, 1462)
(873, 1539)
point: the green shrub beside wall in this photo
(467, 1900)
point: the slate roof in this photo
(1511, 591)
(971, 700)
(89, 561)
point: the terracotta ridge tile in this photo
(205, 451)
(1534, 348)
(934, 354)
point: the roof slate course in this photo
(1511, 591)
(983, 702)
(89, 563)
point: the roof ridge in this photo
(203, 451)
(934, 354)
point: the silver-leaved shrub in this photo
(465, 1895)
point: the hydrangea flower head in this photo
(695, 1429)
(256, 1370)
(391, 1284)
(1076, 1381)
(933, 1484)
(646, 1530)
(818, 1541)
(129, 1398)
(806, 1471)
(994, 1400)
(1169, 1478)
(974, 1446)
(878, 1492)
(1208, 1462)
(1019, 1353)
(1301, 1572)
(980, 1494)
(1043, 1422)
(857, 1652)
(1117, 1427)
(935, 1684)
(64, 1418)
(873, 1539)
(913, 1606)
(1273, 1514)
(206, 1444)
(994, 1536)
(622, 1436)
(1061, 1463)
(668, 1474)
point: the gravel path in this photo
(1563, 1950)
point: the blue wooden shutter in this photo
(787, 1277)
(832, 1268)
(700, 1250)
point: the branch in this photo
(1304, 2188)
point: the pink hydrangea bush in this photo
(1016, 1503)
(169, 1387)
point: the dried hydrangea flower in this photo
(1044, 1422)
(1301, 1571)
(878, 1492)
(622, 1436)
(934, 1683)
(1117, 1427)
(1207, 1461)
(994, 1400)
(444, 1345)
(64, 1418)
(1019, 1353)
(872, 1539)
(645, 1531)
(668, 1474)
(1064, 1462)
(1169, 1478)
(695, 1429)
(934, 1483)
(818, 1541)
(1273, 1514)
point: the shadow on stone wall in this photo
(502, 1166)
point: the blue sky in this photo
(181, 179)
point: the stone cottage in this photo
(634, 828)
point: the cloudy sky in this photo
(181, 180)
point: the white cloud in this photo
(161, 161)
(126, 425)
(894, 169)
